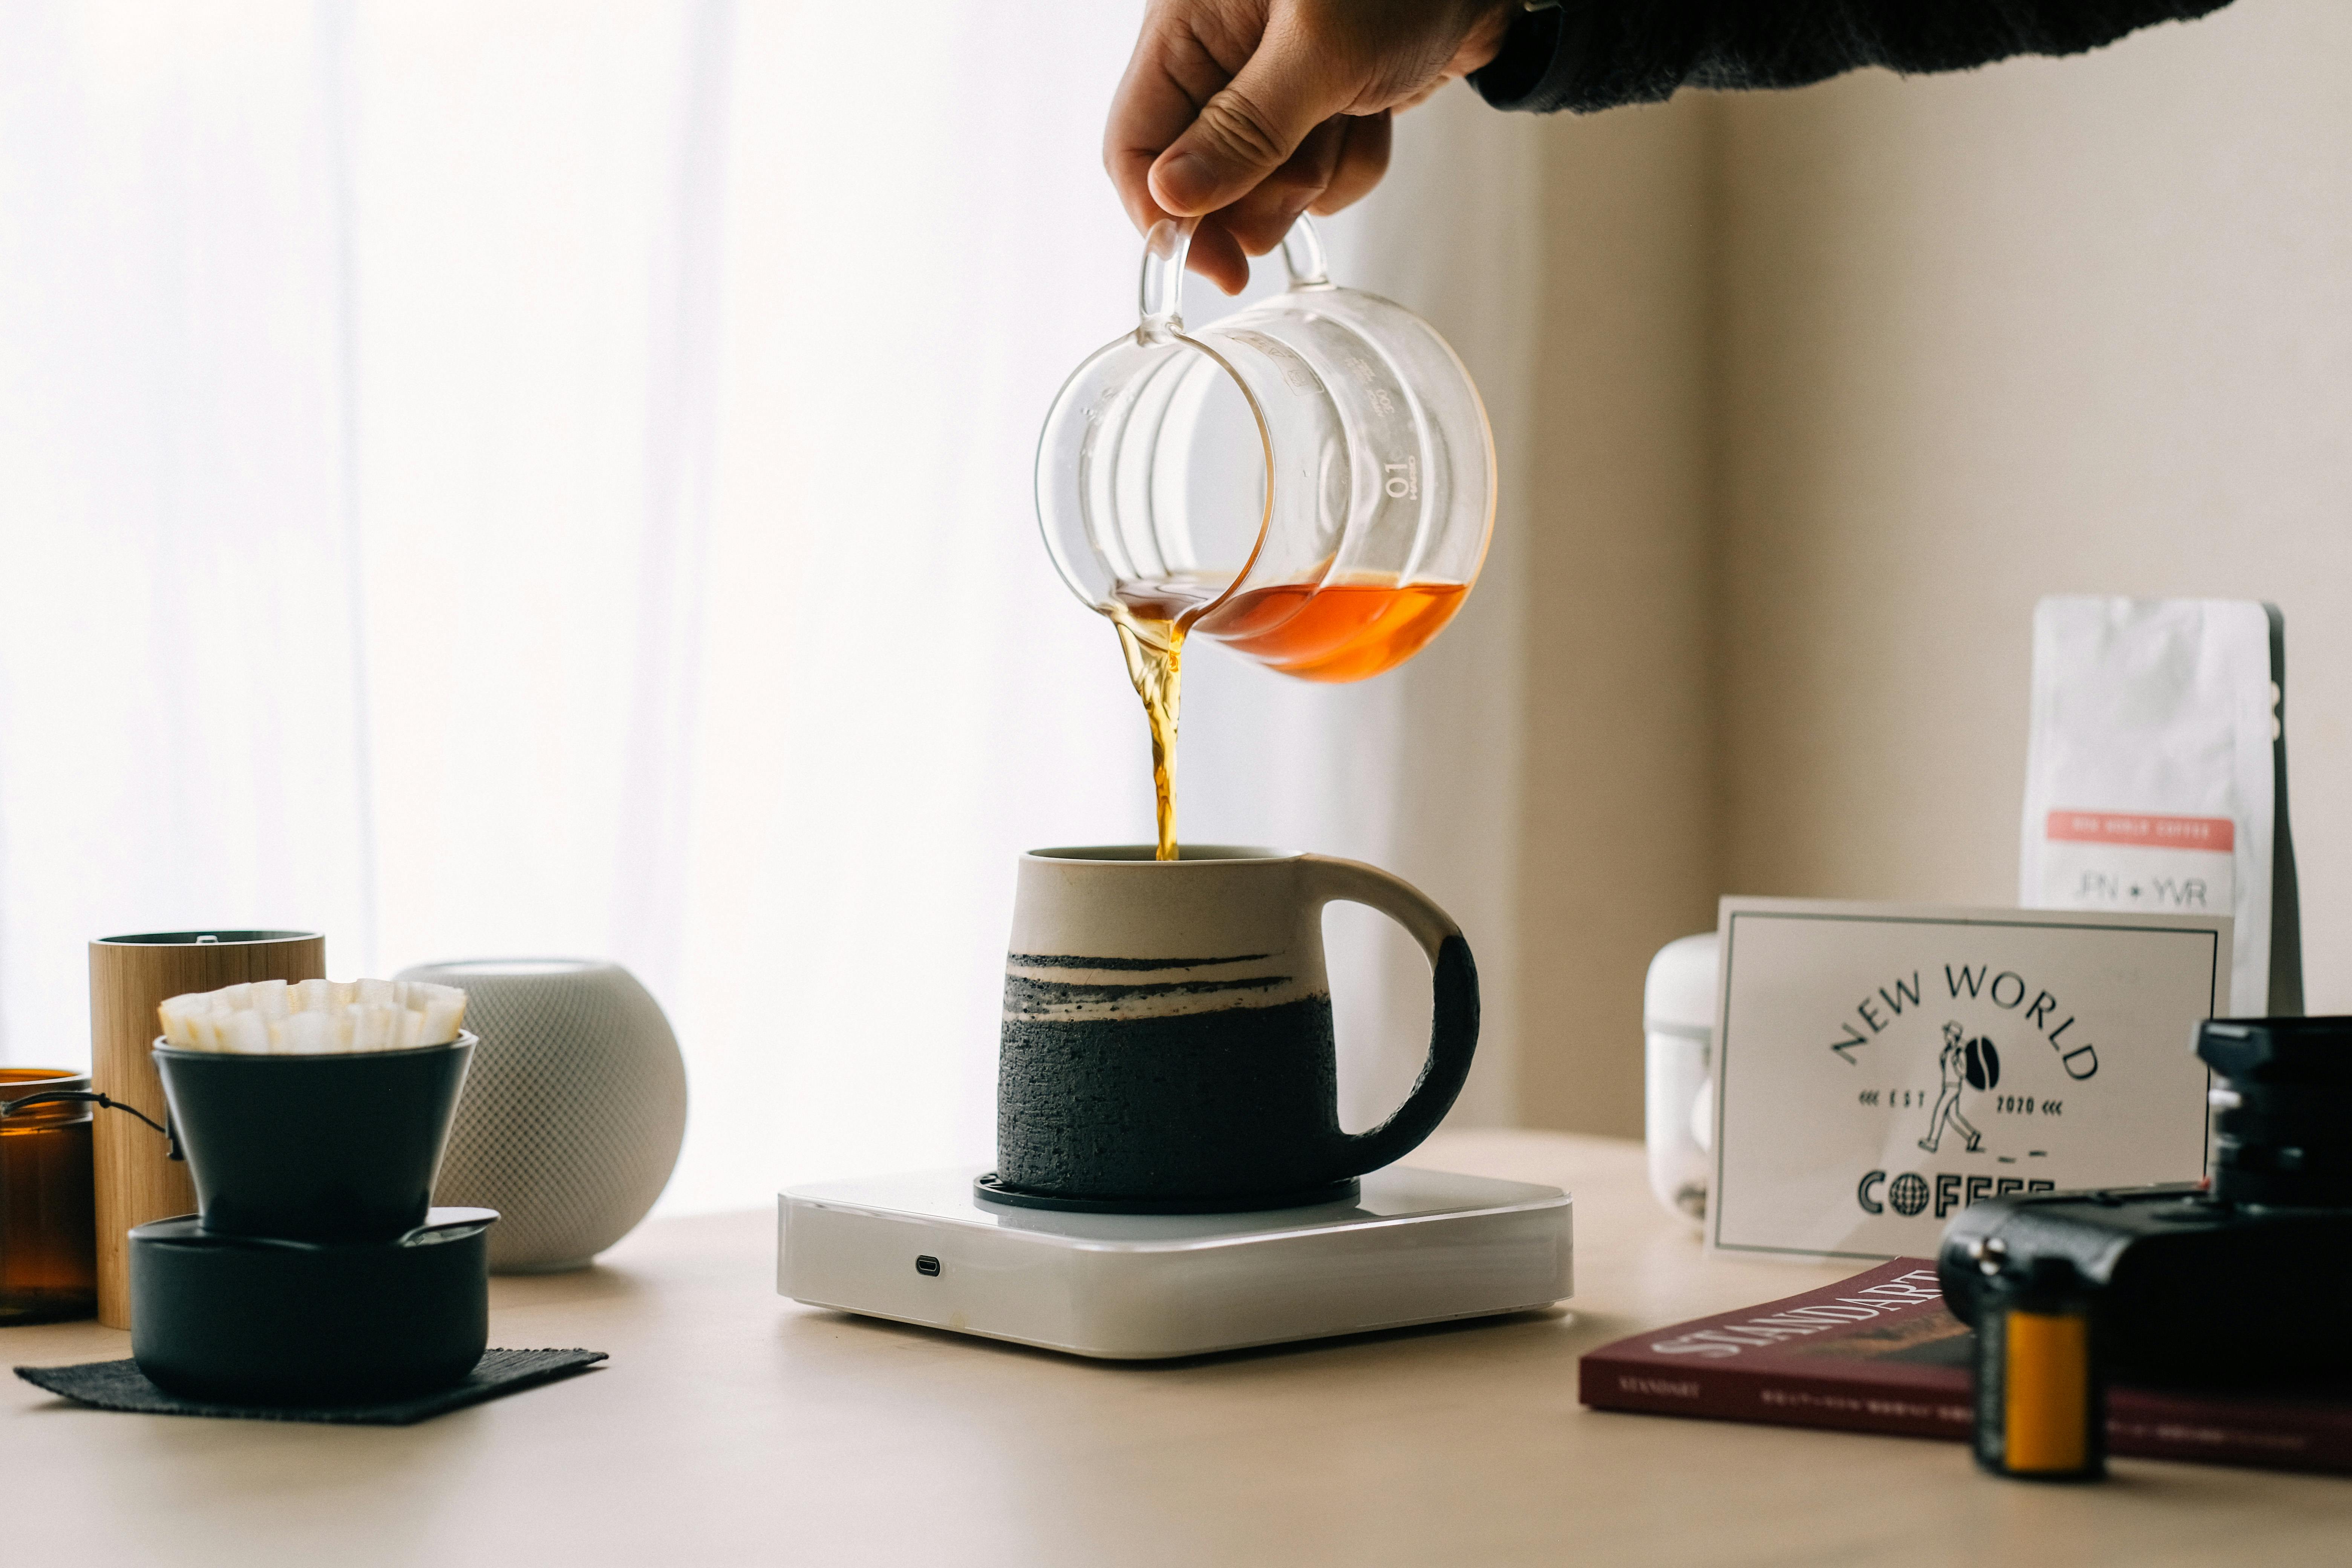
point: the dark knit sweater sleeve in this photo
(1597, 54)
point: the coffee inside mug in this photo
(1126, 852)
(1167, 1033)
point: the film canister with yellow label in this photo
(2041, 1401)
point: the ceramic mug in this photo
(1167, 1042)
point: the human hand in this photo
(1256, 111)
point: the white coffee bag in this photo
(2156, 774)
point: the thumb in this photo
(1248, 130)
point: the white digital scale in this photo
(1416, 1247)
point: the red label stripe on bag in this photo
(2215, 833)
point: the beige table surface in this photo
(733, 1427)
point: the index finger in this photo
(1168, 80)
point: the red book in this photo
(1879, 1352)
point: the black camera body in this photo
(2248, 1276)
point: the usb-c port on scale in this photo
(925, 1264)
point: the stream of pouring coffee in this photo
(1154, 646)
(1332, 631)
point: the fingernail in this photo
(1183, 181)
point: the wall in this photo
(1834, 384)
(1620, 841)
(2055, 326)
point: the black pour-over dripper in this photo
(315, 1273)
(329, 1149)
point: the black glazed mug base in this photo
(988, 1188)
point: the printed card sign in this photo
(1880, 1066)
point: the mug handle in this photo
(1454, 1033)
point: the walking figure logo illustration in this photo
(1965, 1064)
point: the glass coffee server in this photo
(1310, 481)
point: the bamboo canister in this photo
(128, 977)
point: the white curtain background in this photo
(553, 477)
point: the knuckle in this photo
(1240, 129)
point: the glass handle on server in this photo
(1159, 293)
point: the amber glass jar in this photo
(49, 1221)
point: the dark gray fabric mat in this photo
(120, 1386)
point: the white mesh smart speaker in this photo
(574, 1111)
